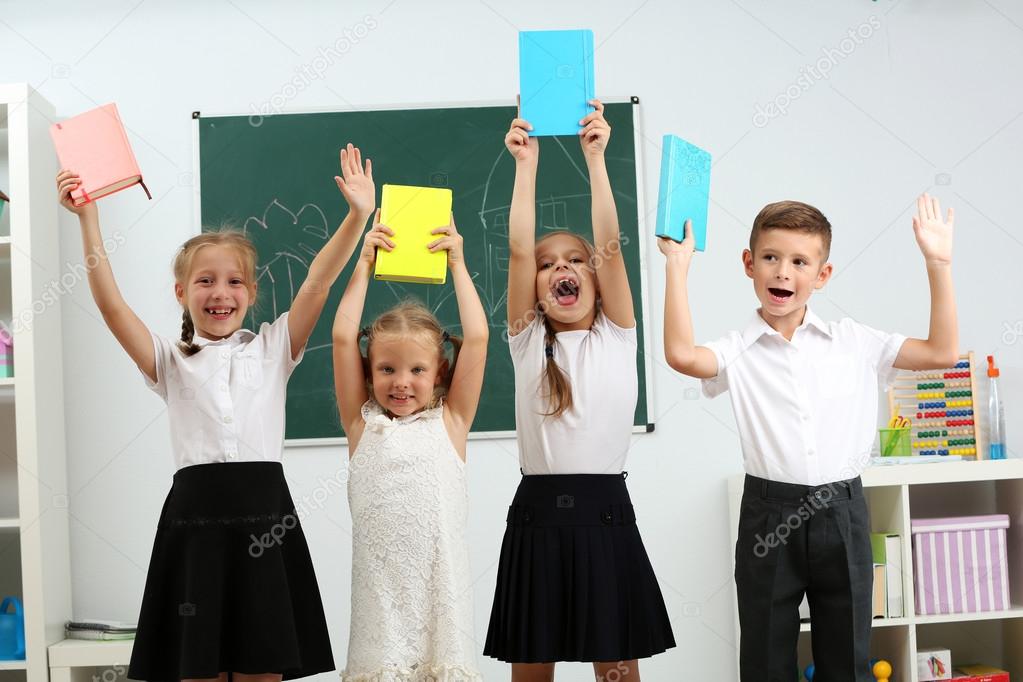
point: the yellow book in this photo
(413, 212)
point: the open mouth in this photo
(400, 398)
(566, 291)
(779, 295)
(219, 313)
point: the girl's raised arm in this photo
(522, 227)
(349, 375)
(467, 381)
(356, 184)
(128, 329)
(608, 263)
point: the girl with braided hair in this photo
(231, 589)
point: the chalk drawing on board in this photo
(279, 276)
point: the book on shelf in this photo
(95, 629)
(878, 601)
(887, 550)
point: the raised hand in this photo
(67, 181)
(682, 250)
(524, 149)
(451, 241)
(933, 235)
(378, 237)
(356, 183)
(596, 132)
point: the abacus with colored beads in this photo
(940, 407)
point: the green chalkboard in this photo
(273, 176)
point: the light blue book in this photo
(685, 190)
(555, 80)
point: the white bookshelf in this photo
(895, 494)
(35, 565)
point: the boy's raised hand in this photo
(67, 181)
(596, 132)
(378, 237)
(356, 183)
(451, 241)
(680, 250)
(524, 149)
(933, 235)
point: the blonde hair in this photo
(412, 319)
(559, 390)
(232, 239)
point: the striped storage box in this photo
(960, 564)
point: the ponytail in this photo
(559, 391)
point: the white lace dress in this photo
(412, 618)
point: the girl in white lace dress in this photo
(407, 410)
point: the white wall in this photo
(928, 100)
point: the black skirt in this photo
(574, 582)
(231, 585)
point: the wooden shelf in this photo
(1014, 612)
(37, 441)
(77, 653)
(877, 623)
(947, 472)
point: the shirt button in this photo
(224, 388)
(224, 354)
(227, 419)
(232, 454)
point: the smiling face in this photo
(786, 267)
(565, 284)
(404, 371)
(216, 291)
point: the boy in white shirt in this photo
(804, 394)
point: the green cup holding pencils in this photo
(895, 442)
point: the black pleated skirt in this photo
(231, 585)
(574, 581)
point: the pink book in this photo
(95, 146)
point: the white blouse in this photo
(594, 436)
(226, 402)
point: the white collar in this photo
(757, 327)
(239, 337)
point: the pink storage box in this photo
(960, 564)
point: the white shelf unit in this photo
(895, 494)
(34, 546)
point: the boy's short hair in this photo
(792, 215)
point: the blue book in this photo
(555, 80)
(685, 190)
